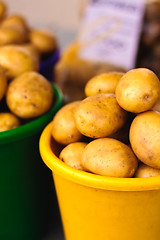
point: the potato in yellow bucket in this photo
(109, 199)
(64, 129)
(99, 115)
(145, 171)
(138, 90)
(109, 157)
(103, 83)
(145, 138)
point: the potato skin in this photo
(15, 20)
(64, 129)
(103, 83)
(145, 138)
(109, 157)
(8, 121)
(11, 35)
(16, 60)
(99, 116)
(33, 51)
(29, 95)
(43, 40)
(145, 171)
(138, 90)
(72, 154)
(3, 83)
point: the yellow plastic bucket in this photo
(102, 208)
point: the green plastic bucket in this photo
(25, 183)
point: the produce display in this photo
(115, 130)
(24, 93)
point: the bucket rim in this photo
(36, 125)
(89, 179)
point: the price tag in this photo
(110, 31)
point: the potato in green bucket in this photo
(25, 182)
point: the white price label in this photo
(111, 30)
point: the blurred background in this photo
(70, 71)
(58, 15)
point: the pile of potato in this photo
(24, 93)
(14, 29)
(115, 130)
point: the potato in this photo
(146, 171)
(64, 129)
(99, 116)
(29, 95)
(16, 60)
(72, 154)
(11, 35)
(43, 40)
(14, 30)
(31, 48)
(109, 157)
(3, 9)
(3, 83)
(138, 90)
(8, 121)
(33, 51)
(145, 138)
(103, 83)
(15, 20)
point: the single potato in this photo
(29, 95)
(72, 154)
(99, 116)
(145, 138)
(11, 35)
(17, 60)
(109, 157)
(64, 129)
(15, 20)
(103, 83)
(43, 40)
(146, 171)
(3, 83)
(138, 90)
(8, 121)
